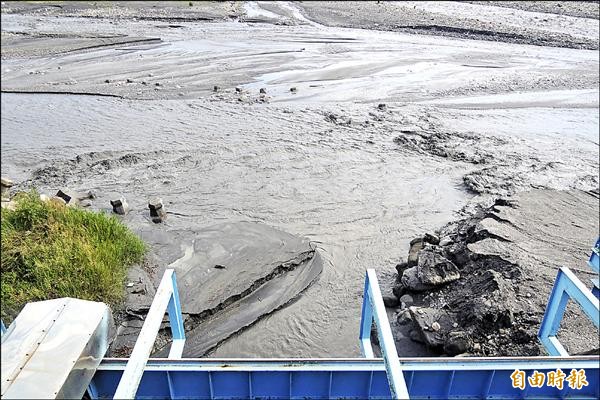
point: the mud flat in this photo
(481, 286)
(559, 24)
(228, 276)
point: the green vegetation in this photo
(50, 251)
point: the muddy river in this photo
(341, 181)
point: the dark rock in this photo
(263, 90)
(415, 336)
(156, 83)
(157, 211)
(404, 317)
(416, 245)
(410, 281)
(390, 301)
(238, 89)
(293, 89)
(129, 80)
(416, 240)
(431, 238)
(399, 290)
(120, 206)
(407, 299)
(457, 342)
(401, 268)
(330, 117)
(107, 81)
(66, 195)
(434, 269)
(382, 106)
(432, 324)
(496, 310)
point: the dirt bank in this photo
(559, 24)
(481, 286)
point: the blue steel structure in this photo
(566, 287)
(594, 263)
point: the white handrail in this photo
(374, 309)
(166, 296)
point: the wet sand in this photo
(464, 121)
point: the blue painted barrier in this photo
(434, 378)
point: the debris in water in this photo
(120, 206)
(157, 211)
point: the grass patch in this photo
(50, 251)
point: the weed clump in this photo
(51, 251)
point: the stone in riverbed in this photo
(445, 241)
(410, 281)
(6, 184)
(120, 206)
(431, 238)
(400, 268)
(404, 318)
(407, 299)
(157, 211)
(434, 269)
(416, 245)
(73, 198)
(432, 325)
(390, 301)
(416, 336)
(457, 342)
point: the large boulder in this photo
(410, 281)
(434, 269)
(416, 245)
(433, 325)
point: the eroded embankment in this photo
(481, 287)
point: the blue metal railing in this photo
(594, 263)
(361, 378)
(166, 299)
(568, 286)
(373, 309)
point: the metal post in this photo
(366, 321)
(176, 322)
(166, 296)
(374, 309)
(566, 286)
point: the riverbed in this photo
(319, 162)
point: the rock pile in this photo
(481, 286)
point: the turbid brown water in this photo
(471, 117)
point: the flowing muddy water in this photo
(321, 163)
